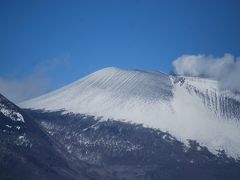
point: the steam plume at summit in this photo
(224, 69)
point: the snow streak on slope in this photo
(223, 103)
(194, 120)
(178, 105)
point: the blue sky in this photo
(62, 41)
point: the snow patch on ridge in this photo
(12, 114)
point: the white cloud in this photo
(34, 84)
(225, 69)
(27, 87)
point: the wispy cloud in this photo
(225, 69)
(34, 84)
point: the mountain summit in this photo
(188, 108)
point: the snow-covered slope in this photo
(187, 108)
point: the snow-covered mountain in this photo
(187, 108)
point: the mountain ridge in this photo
(28, 152)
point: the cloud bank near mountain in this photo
(36, 83)
(224, 69)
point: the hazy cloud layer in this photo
(225, 69)
(34, 84)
